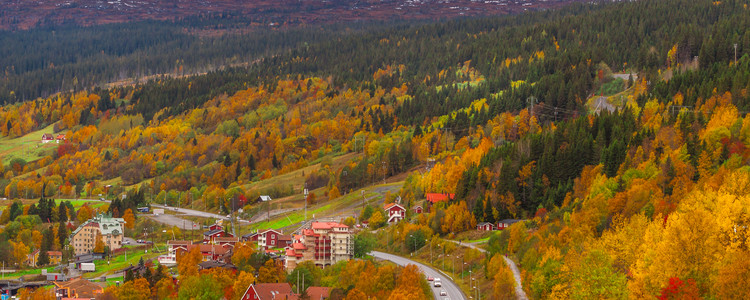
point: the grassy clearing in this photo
(27, 147)
(78, 202)
(342, 207)
(119, 262)
(297, 178)
(25, 272)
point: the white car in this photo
(437, 283)
(443, 293)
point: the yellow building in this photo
(83, 238)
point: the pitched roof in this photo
(391, 205)
(47, 136)
(212, 232)
(437, 197)
(318, 292)
(265, 198)
(82, 287)
(107, 225)
(229, 239)
(272, 291)
(327, 225)
(267, 230)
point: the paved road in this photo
(448, 285)
(520, 294)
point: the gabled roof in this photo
(80, 287)
(47, 136)
(107, 225)
(249, 235)
(268, 291)
(327, 225)
(391, 205)
(318, 292)
(226, 239)
(267, 230)
(265, 198)
(484, 224)
(212, 232)
(438, 197)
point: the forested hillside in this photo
(646, 200)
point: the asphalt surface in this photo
(520, 294)
(448, 285)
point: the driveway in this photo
(448, 285)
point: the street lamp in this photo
(415, 242)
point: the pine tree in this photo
(478, 213)
(62, 232)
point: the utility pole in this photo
(306, 192)
(531, 100)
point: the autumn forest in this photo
(646, 199)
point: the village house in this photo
(268, 239)
(395, 212)
(506, 223)
(60, 138)
(318, 292)
(433, 198)
(213, 232)
(269, 291)
(83, 238)
(418, 209)
(264, 198)
(47, 137)
(55, 257)
(209, 252)
(485, 226)
(226, 242)
(325, 243)
(77, 288)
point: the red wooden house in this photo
(395, 212)
(213, 232)
(418, 209)
(269, 239)
(486, 226)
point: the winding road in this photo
(448, 285)
(520, 294)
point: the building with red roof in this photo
(318, 292)
(439, 197)
(269, 291)
(324, 243)
(395, 212)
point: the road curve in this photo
(520, 294)
(448, 285)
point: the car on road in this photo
(126, 242)
(443, 292)
(437, 283)
(141, 241)
(429, 278)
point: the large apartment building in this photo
(83, 238)
(324, 243)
